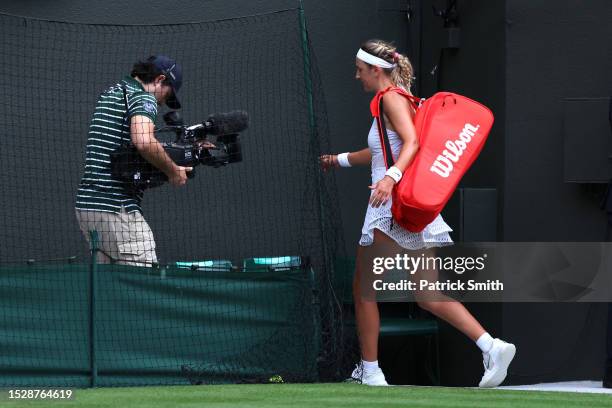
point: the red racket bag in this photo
(452, 130)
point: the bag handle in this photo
(415, 101)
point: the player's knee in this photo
(431, 307)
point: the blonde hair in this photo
(403, 74)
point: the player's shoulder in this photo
(395, 99)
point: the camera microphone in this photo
(227, 123)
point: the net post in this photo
(323, 295)
(93, 271)
(312, 121)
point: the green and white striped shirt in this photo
(109, 129)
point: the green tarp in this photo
(154, 326)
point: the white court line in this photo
(590, 387)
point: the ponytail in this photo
(403, 74)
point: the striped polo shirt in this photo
(109, 128)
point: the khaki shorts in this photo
(124, 238)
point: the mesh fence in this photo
(273, 204)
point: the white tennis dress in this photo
(434, 235)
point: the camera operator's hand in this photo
(179, 176)
(142, 130)
(205, 144)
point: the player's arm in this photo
(397, 110)
(361, 157)
(142, 131)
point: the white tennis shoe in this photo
(375, 378)
(372, 378)
(496, 363)
(356, 374)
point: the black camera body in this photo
(187, 150)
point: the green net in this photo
(67, 323)
(139, 326)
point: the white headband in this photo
(374, 60)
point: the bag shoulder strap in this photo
(384, 138)
(377, 108)
(375, 103)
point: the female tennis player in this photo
(379, 66)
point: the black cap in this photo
(173, 73)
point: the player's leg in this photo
(366, 308)
(366, 311)
(443, 306)
(497, 354)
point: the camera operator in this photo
(126, 112)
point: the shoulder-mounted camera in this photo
(214, 142)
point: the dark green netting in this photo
(155, 325)
(166, 325)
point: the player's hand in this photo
(328, 161)
(179, 176)
(381, 192)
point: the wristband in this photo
(394, 173)
(343, 160)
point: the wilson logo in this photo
(443, 166)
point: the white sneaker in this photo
(356, 374)
(373, 378)
(496, 363)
